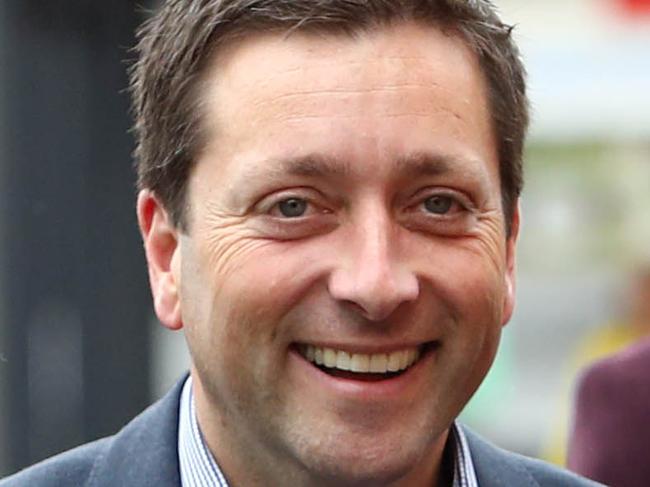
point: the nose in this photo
(372, 274)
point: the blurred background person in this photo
(629, 325)
(611, 431)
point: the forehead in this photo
(387, 93)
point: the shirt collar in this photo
(199, 468)
(197, 465)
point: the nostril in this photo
(374, 295)
(354, 307)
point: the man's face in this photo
(347, 209)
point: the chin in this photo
(384, 471)
(365, 461)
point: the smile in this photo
(331, 360)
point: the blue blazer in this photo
(144, 454)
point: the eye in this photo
(292, 207)
(439, 204)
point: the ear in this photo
(510, 275)
(162, 250)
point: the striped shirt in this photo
(199, 468)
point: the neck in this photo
(245, 461)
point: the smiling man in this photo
(329, 212)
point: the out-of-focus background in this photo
(80, 351)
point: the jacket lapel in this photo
(496, 467)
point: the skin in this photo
(362, 131)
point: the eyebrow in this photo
(425, 164)
(434, 164)
(315, 165)
(307, 166)
(311, 165)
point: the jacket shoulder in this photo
(496, 467)
(72, 467)
(547, 475)
(143, 453)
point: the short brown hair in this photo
(175, 45)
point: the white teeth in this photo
(379, 363)
(359, 363)
(318, 355)
(412, 354)
(329, 357)
(394, 361)
(343, 361)
(309, 353)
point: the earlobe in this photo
(510, 269)
(161, 246)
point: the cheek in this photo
(272, 278)
(469, 285)
(238, 308)
(464, 273)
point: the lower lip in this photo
(363, 389)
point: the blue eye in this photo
(292, 207)
(438, 204)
